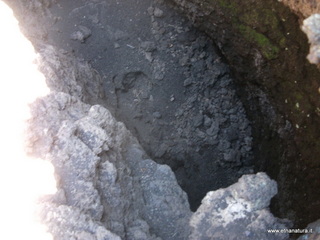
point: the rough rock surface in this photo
(238, 212)
(67, 74)
(103, 176)
(315, 231)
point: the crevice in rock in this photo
(211, 117)
(267, 52)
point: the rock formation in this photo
(110, 188)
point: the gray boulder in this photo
(238, 212)
(312, 231)
(107, 185)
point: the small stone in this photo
(172, 98)
(148, 46)
(116, 45)
(187, 82)
(155, 25)
(138, 116)
(162, 31)
(183, 61)
(148, 56)
(157, 37)
(159, 75)
(202, 55)
(198, 120)
(158, 12)
(232, 156)
(81, 35)
(179, 112)
(157, 115)
(207, 121)
(232, 133)
(161, 151)
(213, 130)
(150, 10)
(224, 145)
(120, 35)
(200, 134)
(145, 95)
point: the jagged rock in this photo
(312, 231)
(98, 164)
(81, 35)
(158, 12)
(238, 212)
(65, 73)
(66, 222)
(157, 115)
(103, 171)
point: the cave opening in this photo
(170, 83)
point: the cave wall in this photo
(263, 43)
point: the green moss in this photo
(283, 42)
(231, 6)
(256, 24)
(268, 50)
(269, 18)
(299, 96)
(250, 18)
